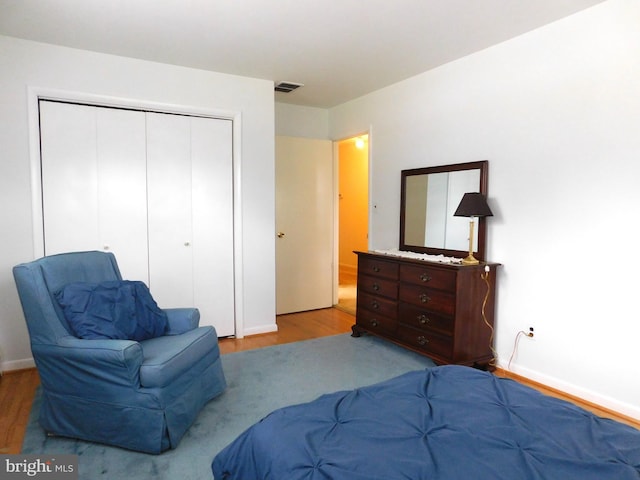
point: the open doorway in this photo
(353, 215)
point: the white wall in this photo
(557, 114)
(26, 64)
(301, 121)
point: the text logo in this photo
(51, 467)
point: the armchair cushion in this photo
(116, 309)
(167, 358)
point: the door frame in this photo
(35, 94)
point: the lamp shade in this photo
(473, 205)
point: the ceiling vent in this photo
(287, 87)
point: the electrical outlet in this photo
(530, 334)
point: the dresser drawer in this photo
(378, 268)
(428, 276)
(439, 345)
(429, 299)
(424, 319)
(377, 305)
(375, 322)
(378, 286)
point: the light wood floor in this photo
(295, 327)
(17, 388)
(347, 280)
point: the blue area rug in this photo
(260, 381)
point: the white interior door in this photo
(304, 224)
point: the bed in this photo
(449, 422)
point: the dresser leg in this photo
(485, 366)
(356, 331)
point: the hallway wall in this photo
(353, 198)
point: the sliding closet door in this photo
(212, 214)
(94, 182)
(156, 189)
(190, 211)
(69, 177)
(122, 193)
(169, 210)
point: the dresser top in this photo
(424, 259)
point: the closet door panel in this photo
(122, 192)
(94, 182)
(69, 177)
(212, 213)
(169, 210)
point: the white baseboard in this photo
(605, 401)
(261, 329)
(17, 365)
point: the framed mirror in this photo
(429, 198)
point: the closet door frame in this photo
(35, 94)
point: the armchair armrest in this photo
(89, 368)
(181, 320)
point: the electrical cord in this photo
(493, 362)
(515, 345)
(485, 277)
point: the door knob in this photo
(280, 234)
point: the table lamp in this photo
(472, 205)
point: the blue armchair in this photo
(137, 395)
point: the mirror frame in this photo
(483, 166)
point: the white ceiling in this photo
(340, 49)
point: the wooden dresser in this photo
(432, 308)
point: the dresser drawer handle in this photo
(423, 319)
(422, 340)
(375, 305)
(425, 278)
(376, 287)
(376, 269)
(424, 298)
(373, 322)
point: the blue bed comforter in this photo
(444, 423)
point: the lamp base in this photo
(470, 260)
